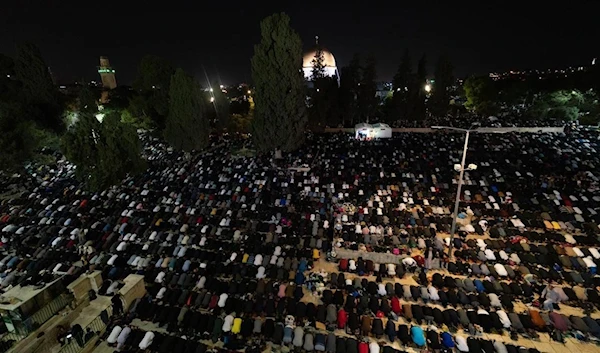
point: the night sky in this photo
(220, 35)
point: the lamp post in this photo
(461, 169)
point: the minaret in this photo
(107, 74)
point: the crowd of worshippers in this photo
(226, 245)
(466, 120)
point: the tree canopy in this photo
(349, 86)
(444, 79)
(187, 127)
(417, 90)
(280, 111)
(566, 105)
(318, 65)
(37, 88)
(103, 152)
(401, 84)
(30, 108)
(367, 99)
(481, 95)
(152, 84)
(17, 141)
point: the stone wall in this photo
(134, 288)
(82, 285)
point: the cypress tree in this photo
(440, 98)
(367, 99)
(318, 64)
(417, 91)
(402, 83)
(39, 92)
(152, 84)
(17, 140)
(349, 91)
(280, 110)
(186, 128)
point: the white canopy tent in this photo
(363, 130)
(381, 131)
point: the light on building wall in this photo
(428, 88)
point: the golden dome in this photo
(328, 59)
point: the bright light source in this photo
(221, 86)
(249, 92)
(428, 88)
(472, 166)
(100, 117)
(212, 99)
(211, 89)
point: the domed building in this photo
(330, 67)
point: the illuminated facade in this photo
(107, 73)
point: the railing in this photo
(48, 311)
(97, 326)
(26, 326)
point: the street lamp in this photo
(428, 88)
(461, 169)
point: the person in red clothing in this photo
(342, 318)
(343, 264)
(396, 307)
(420, 260)
(363, 347)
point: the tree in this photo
(104, 153)
(324, 103)
(440, 98)
(152, 84)
(401, 83)
(88, 101)
(417, 91)
(566, 105)
(137, 122)
(17, 140)
(280, 110)
(38, 89)
(367, 94)
(7, 66)
(21, 113)
(187, 127)
(349, 85)
(481, 95)
(318, 65)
